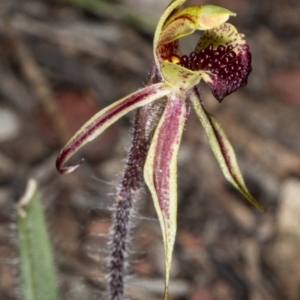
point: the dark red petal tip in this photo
(65, 170)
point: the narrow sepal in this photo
(160, 173)
(103, 119)
(222, 150)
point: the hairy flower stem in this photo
(132, 181)
(119, 248)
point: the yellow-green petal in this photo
(160, 173)
(106, 117)
(222, 150)
(196, 17)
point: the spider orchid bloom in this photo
(222, 59)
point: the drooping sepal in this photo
(103, 119)
(160, 173)
(222, 150)
(223, 56)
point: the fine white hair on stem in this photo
(103, 181)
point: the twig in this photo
(132, 181)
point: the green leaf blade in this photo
(37, 269)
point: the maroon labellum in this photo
(226, 67)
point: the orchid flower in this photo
(221, 59)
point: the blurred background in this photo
(61, 62)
